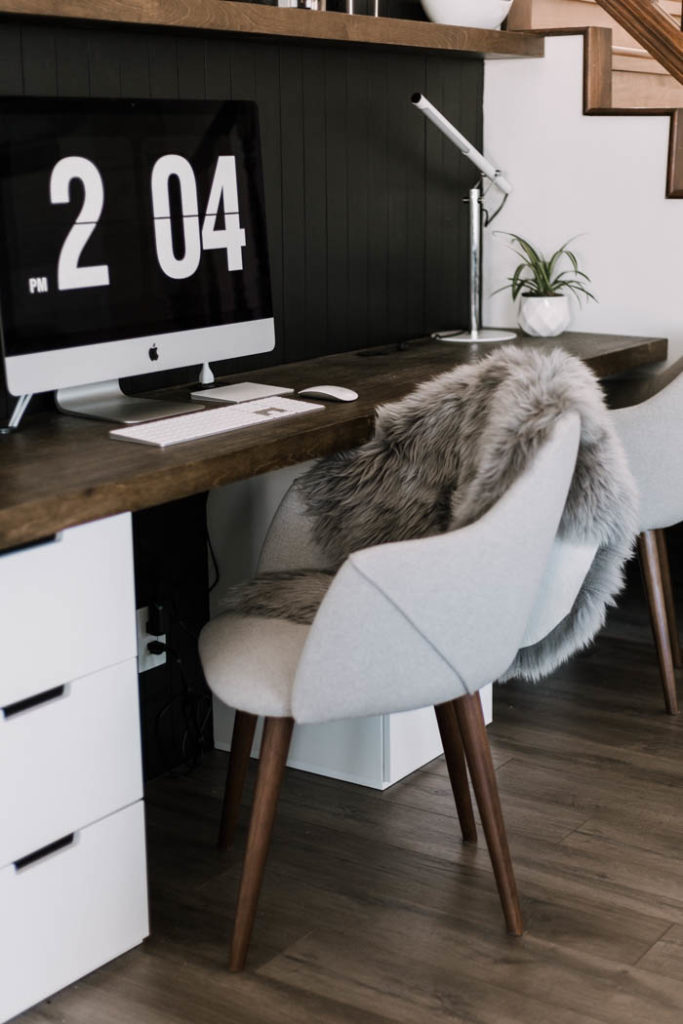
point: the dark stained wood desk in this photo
(59, 471)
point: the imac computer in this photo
(132, 239)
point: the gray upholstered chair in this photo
(651, 432)
(403, 625)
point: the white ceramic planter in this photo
(544, 316)
(469, 13)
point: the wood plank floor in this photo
(374, 911)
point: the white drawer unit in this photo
(69, 759)
(73, 888)
(72, 910)
(66, 607)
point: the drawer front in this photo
(73, 910)
(67, 607)
(68, 760)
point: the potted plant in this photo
(544, 285)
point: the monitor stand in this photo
(106, 401)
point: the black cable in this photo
(182, 750)
(214, 561)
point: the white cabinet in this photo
(72, 910)
(376, 751)
(69, 760)
(72, 851)
(67, 607)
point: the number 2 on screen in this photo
(69, 273)
(231, 237)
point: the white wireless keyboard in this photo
(196, 425)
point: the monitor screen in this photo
(132, 238)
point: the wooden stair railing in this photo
(638, 78)
(597, 95)
(652, 28)
(597, 101)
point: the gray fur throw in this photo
(441, 457)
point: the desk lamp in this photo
(477, 214)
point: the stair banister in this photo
(652, 28)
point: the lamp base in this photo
(473, 337)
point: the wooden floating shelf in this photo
(286, 23)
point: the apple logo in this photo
(153, 353)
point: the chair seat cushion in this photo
(250, 662)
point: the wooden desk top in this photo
(59, 471)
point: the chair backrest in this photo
(289, 543)
(420, 622)
(563, 578)
(652, 436)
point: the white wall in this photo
(601, 177)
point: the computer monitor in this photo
(132, 239)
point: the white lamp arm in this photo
(459, 140)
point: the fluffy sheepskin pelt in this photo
(442, 456)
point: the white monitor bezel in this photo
(36, 372)
(95, 361)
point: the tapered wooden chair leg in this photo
(454, 750)
(478, 752)
(277, 734)
(669, 598)
(240, 748)
(654, 588)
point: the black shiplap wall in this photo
(367, 228)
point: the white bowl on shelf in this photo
(467, 13)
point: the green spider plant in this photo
(537, 276)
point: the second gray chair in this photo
(651, 431)
(403, 625)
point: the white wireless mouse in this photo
(333, 392)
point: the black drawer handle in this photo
(44, 851)
(33, 702)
